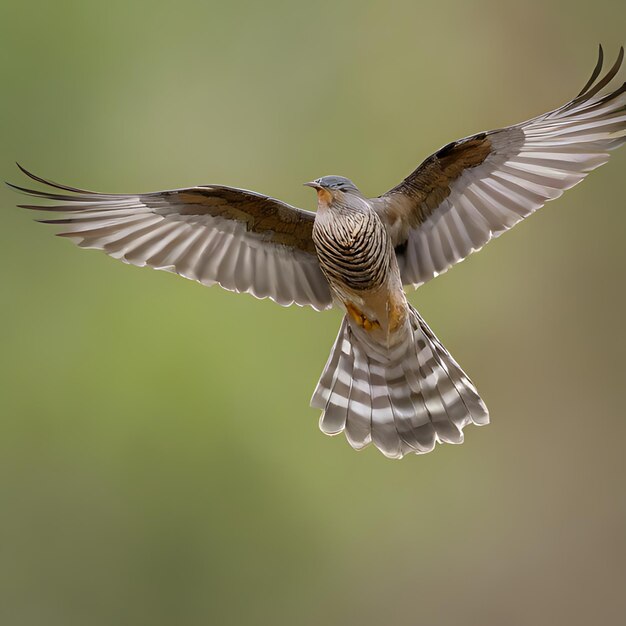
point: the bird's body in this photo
(358, 260)
(388, 379)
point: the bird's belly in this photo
(357, 258)
(370, 290)
(380, 315)
(359, 278)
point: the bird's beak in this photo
(312, 184)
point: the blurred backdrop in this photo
(159, 463)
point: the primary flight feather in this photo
(388, 380)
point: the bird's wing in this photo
(477, 188)
(242, 240)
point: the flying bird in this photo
(388, 381)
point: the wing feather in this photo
(475, 189)
(242, 240)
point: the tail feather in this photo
(324, 386)
(359, 420)
(333, 418)
(411, 419)
(418, 430)
(403, 400)
(477, 412)
(384, 433)
(435, 386)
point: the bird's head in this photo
(331, 189)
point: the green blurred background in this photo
(159, 463)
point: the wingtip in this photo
(12, 186)
(591, 88)
(22, 169)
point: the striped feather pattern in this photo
(403, 402)
(210, 243)
(529, 164)
(408, 394)
(353, 247)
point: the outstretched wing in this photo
(477, 188)
(242, 240)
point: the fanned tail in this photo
(403, 400)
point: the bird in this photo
(388, 380)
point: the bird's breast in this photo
(354, 250)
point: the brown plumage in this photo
(388, 379)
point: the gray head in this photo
(334, 183)
(333, 191)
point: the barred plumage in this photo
(404, 401)
(394, 384)
(354, 248)
(388, 380)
